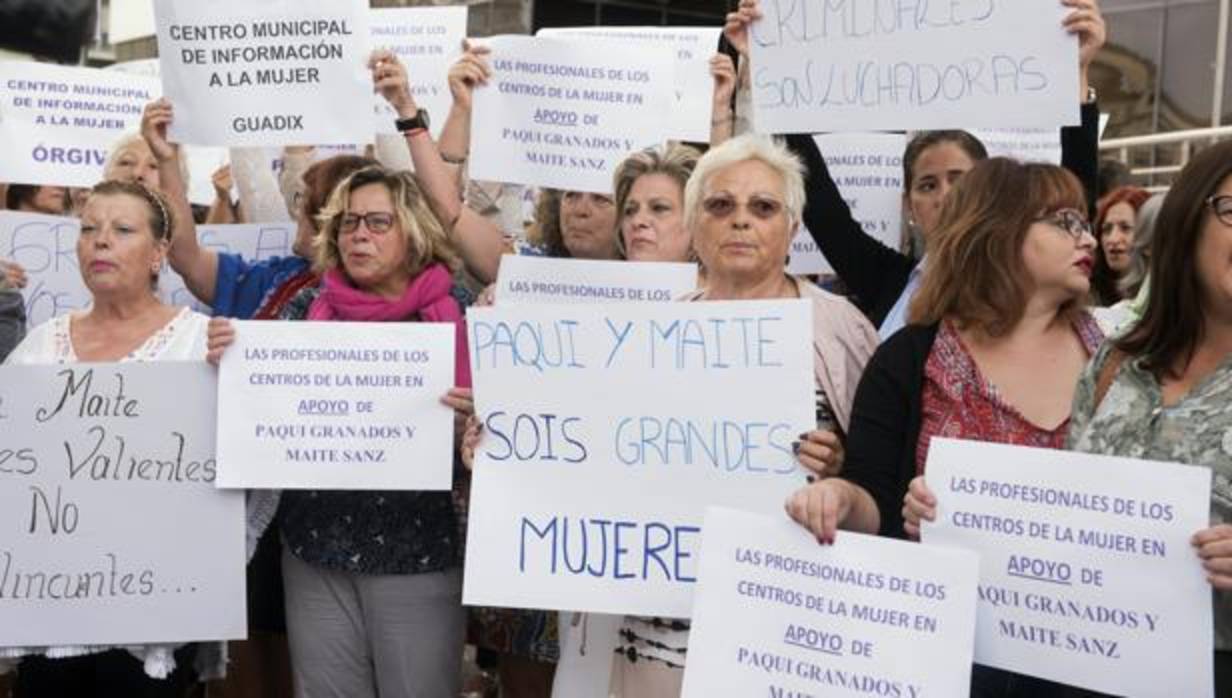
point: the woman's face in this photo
(135, 163)
(1214, 259)
(117, 251)
(743, 233)
(1116, 236)
(1058, 253)
(371, 244)
(934, 173)
(652, 222)
(588, 225)
(50, 200)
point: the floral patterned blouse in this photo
(959, 403)
(1133, 422)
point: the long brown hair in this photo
(1174, 321)
(975, 274)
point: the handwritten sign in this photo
(778, 615)
(1086, 572)
(1025, 144)
(57, 124)
(281, 72)
(46, 246)
(427, 40)
(693, 86)
(337, 405)
(868, 170)
(113, 531)
(529, 279)
(557, 113)
(856, 65)
(608, 430)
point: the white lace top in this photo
(181, 339)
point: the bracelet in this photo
(453, 159)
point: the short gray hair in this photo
(750, 146)
(1144, 238)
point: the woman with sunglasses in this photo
(1164, 390)
(997, 339)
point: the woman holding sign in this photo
(373, 585)
(1164, 391)
(125, 229)
(883, 280)
(997, 340)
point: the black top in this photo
(885, 422)
(876, 274)
(12, 321)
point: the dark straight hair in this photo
(924, 140)
(1173, 324)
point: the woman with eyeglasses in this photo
(997, 339)
(1164, 390)
(373, 579)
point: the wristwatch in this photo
(420, 120)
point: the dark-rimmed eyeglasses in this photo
(722, 206)
(1221, 206)
(1070, 221)
(376, 222)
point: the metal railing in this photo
(1122, 148)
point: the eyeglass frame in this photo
(1212, 201)
(1063, 219)
(344, 229)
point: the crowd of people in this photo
(1044, 312)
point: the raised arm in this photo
(198, 265)
(222, 211)
(481, 245)
(1080, 144)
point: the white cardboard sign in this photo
(693, 86)
(112, 530)
(58, 123)
(337, 406)
(776, 614)
(865, 65)
(530, 279)
(558, 113)
(608, 430)
(427, 40)
(867, 169)
(1087, 576)
(1025, 144)
(46, 246)
(280, 72)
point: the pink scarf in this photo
(427, 296)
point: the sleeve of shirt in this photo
(880, 418)
(12, 321)
(241, 285)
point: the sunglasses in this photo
(760, 207)
(376, 221)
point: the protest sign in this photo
(776, 614)
(530, 279)
(337, 405)
(859, 65)
(282, 72)
(57, 123)
(427, 40)
(867, 169)
(557, 113)
(113, 532)
(693, 86)
(46, 247)
(607, 431)
(1087, 576)
(1025, 144)
(130, 19)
